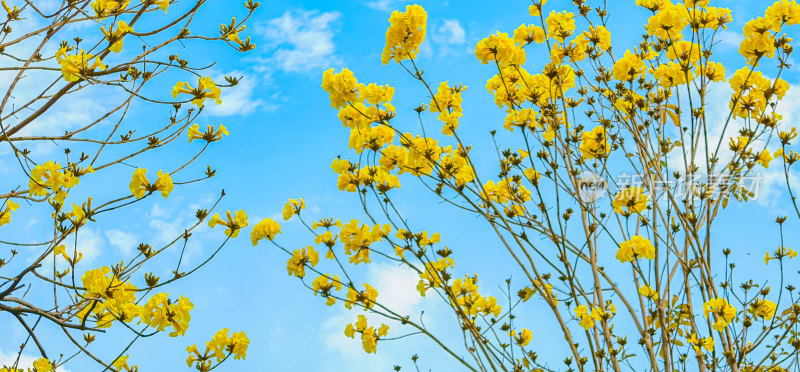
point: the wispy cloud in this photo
(122, 240)
(384, 5)
(241, 99)
(449, 38)
(302, 40)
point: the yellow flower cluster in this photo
(447, 102)
(75, 67)
(434, 275)
(324, 284)
(233, 223)
(501, 49)
(51, 177)
(723, 312)
(752, 92)
(526, 34)
(506, 190)
(629, 67)
(630, 200)
(121, 364)
(39, 365)
(636, 247)
(160, 312)
(779, 254)
(220, 347)
(112, 299)
(470, 301)
(293, 207)
(266, 229)
(523, 338)
(206, 89)
(140, 185)
(115, 36)
(560, 25)
(357, 239)
(365, 298)
(762, 308)
(594, 144)
(342, 87)
(104, 8)
(759, 33)
(5, 213)
(700, 343)
(369, 336)
(669, 20)
(587, 316)
(648, 292)
(300, 258)
(210, 135)
(405, 34)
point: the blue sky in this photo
(284, 135)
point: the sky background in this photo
(284, 135)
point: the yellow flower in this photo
(206, 88)
(365, 298)
(163, 4)
(783, 11)
(594, 144)
(300, 257)
(160, 312)
(560, 25)
(523, 338)
(358, 238)
(233, 223)
(104, 8)
(266, 229)
(500, 48)
(245, 45)
(210, 134)
(632, 199)
(42, 365)
(698, 343)
(447, 102)
(652, 5)
(648, 292)
(115, 37)
(712, 71)
(13, 14)
(342, 88)
(121, 364)
(293, 207)
(762, 308)
(535, 10)
(722, 310)
(324, 284)
(636, 247)
(140, 185)
(584, 318)
(526, 34)
(405, 34)
(5, 215)
(668, 23)
(76, 67)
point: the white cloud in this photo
(449, 39)
(122, 240)
(303, 40)
(90, 244)
(729, 39)
(238, 100)
(396, 286)
(25, 360)
(384, 5)
(450, 32)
